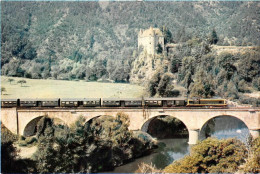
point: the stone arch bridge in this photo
(17, 119)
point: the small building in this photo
(149, 40)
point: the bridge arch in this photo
(30, 128)
(226, 115)
(180, 130)
(225, 126)
(90, 119)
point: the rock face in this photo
(145, 65)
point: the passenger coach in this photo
(6, 103)
(164, 102)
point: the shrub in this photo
(211, 156)
(147, 168)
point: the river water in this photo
(168, 151)
(174, 149)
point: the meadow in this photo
(42, 88)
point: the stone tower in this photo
(149, 39)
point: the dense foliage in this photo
(98, 40)
(205, 72)
(211, 156)
(98, 145)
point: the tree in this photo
(10, 80)
(213, 39)
(253, 162)
(165, 86)
(203, 85)
(3, 90)
(21, 81)
(89, 147)
(153, 83)
(159, 48)
(211, 156)
(167, 35)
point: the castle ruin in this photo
(149, 40)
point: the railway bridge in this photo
(20, 120)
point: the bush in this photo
(211, 156)
(146, 168)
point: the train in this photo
(113, 102)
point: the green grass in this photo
(41, 88)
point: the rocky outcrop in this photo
(145, 65)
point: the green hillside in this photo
(93, 40)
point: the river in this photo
(174, 149)
(168, 151)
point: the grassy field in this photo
(39, 88)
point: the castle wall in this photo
(149, 39)
(150, 43)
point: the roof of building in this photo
(8, 99)
(150, 32)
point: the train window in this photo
(159, 102)
(220, 102)
(43, 102)
(63, 102)
(75, 102)
(67, 103)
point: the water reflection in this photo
(168, 151)
(225, 127)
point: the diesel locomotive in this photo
(114, 102)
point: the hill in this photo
(93, 40)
